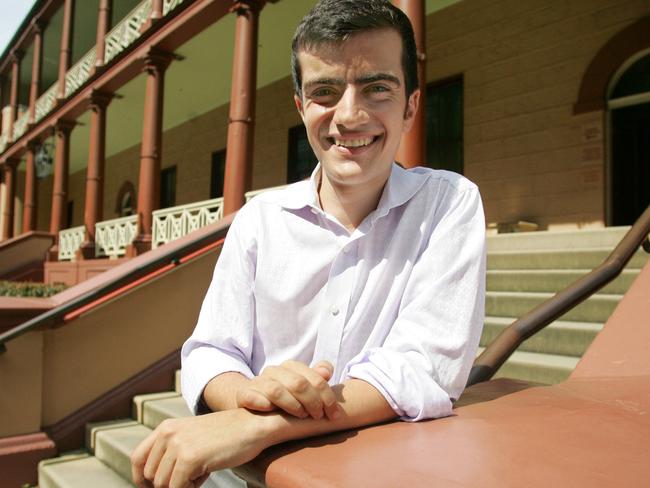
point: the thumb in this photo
(324, 368)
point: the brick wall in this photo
(522, 64)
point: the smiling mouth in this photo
(353, 143)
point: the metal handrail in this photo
(173, 254)
(501, 348)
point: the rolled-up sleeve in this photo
(424, 362)
(222, 339)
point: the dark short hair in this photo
(335, 21)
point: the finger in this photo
(278, 394)
(327, 399)
(298, 378)
(251, 399)
(186, 470)
(155, 455)
(139, 459)
(165, 467)
(325, 369)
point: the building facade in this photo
(545, 105)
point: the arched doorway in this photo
(628, 105)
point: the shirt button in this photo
(334, 310)
(346, 250)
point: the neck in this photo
(350, 204)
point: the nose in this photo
(350, 111)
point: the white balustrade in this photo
(172, 223)
(126, 31)
(20, 125)
(80, 72)
(112, 236)
(69, 241)
(170, 5)
(45, 103)
(254, 193)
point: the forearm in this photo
(361, 404)
(220, 393)
(189, 448)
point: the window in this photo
(444, 125)
(126, 200)
(126, 205)
(302, 160)
(217, 173)
(168, 187)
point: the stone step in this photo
(156, 411)
(551, 280)
(540, 368)
(94, 427)
(139, 402)
(596, 309)
(560, 337)
(607, 237)
(585, 258)
(113, 447)
(78, 471)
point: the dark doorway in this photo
(444, 125)
(301, 161)
(217, 173)
(168, 187)
(630, 175)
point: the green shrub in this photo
(29, 289)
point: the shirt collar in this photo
(402, 184)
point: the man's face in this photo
(354, 105)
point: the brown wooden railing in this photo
(501, 348)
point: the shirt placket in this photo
(335, 307)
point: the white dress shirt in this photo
(398, 303)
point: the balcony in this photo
(123, 35)
(113, 236)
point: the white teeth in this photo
(353, 142)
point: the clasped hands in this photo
(183, 452)
(294, 388)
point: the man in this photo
(347, 300)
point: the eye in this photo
(378, 91)
(323, 92)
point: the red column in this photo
(239, 154)
(30, 200)
(156, 62)
(58, 218)
(66, 45)
(412, 149)
(156, 9)
(36, 69)
(9, 172)
(13, 94)
(103, 24)
(95, 171)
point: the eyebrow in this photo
(362, 80)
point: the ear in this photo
(298, 101)
(411, 109)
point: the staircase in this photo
(527, 268)
(523, 271)
(106, 461)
